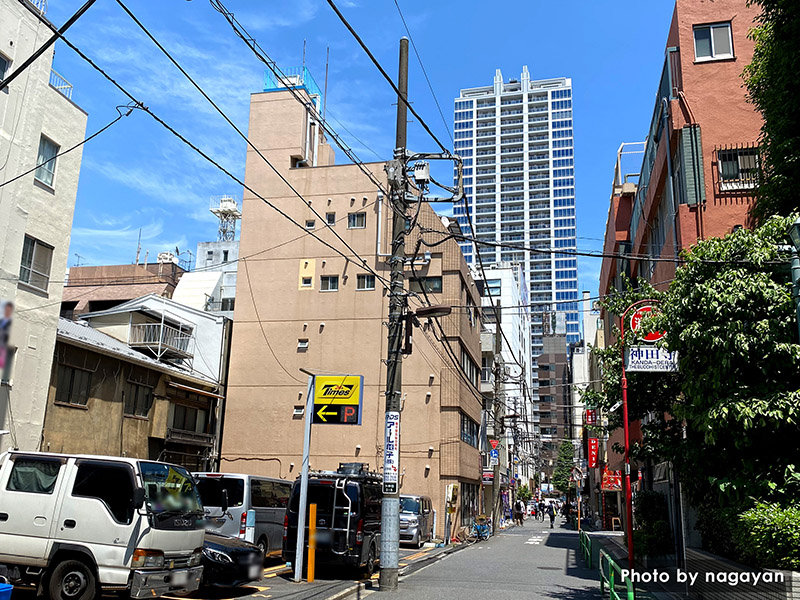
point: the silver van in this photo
(416, 519)
(237, 494)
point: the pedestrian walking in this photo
(519, 512)
(541, 510)
(551, 512)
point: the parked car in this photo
(266, 497)
(76, 524)
(416, 519)
(348, 517)
(230, 561)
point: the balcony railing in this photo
(57, 81)
(190, 437)
(162, 339)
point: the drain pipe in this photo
(670, 181)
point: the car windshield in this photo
(409, 505)
(322, 494)
(169, 488)
(211, 488)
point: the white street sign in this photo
(391, 449)
(493, 461)
(648, 358)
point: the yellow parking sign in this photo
(337, 399)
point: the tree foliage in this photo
(730, 420)
(774, 89)
(563, 467)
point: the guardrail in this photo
(612, 576)
(586, 547)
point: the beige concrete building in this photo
(38, 119)
(299, 304)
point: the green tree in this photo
(774, 89)
(564, 464)
(524, 493)
(730, 420)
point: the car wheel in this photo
(263, 548)
(72, 580)
(419, 541)
(369, 568)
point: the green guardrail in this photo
(586, 548)
(611, 575)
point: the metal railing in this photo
(158, 335)
(586, 547)
(41, 5)
(611, 576)
(58, 82)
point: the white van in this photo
(73, 525)
(266, 497)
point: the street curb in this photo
(429, 560)
(350, 590)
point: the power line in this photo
(196, 149)
(424, 72)
(78, 145)
(386, 76)
(177, 65)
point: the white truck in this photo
(74, 525)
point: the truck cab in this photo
(73, 525)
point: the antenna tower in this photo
(226, 209)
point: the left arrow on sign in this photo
(321, 413)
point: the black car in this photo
(230, 561)
(348, 517)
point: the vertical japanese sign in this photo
(594, 448)
(591, 416)
(391, 449)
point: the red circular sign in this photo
(636, 321)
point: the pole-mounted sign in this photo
(636, 322)
(337, 399)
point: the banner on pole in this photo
(391, 453)
(594, 449)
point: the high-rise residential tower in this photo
(517, 144)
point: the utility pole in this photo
(390, 511)
(498, 421)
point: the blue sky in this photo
(138, 176)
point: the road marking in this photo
(275, 568)
(259, 587)
(418, 554)
(535, 540)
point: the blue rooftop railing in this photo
(292, 77)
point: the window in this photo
(35, 267)
(224, 256)
(357, 220)
(302, 344)
(429, 284)
(470, 502)
(46, 161)
(110, 484)
(469, 431)
(138, 400)
(329, 283)
(227, 303)
(365, 282)
(330, 218)
(269, 494)
(306, 282)
(492, 288)
(310, 223)
(185, 418)
(738, 168)
(34, 475)
(209, 257)
(72, 385)
(713, 42)
(470, 368)
(4, 64)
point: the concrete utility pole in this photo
(498, 422)
(390, 511)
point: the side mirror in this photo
(138, 498)
(225, 502)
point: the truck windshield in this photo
(211, 489)
(169, 488)
(322, 495)
(409, 505)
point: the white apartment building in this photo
(516, 139)
(580, 371)
(38, 119)
(505, 284)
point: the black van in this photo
(348, 517)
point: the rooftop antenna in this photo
(325, 91)
(139, 246)
(226, 209)
(304, 53)
(78, 258)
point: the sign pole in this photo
(301, 512)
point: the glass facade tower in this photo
(519, 179)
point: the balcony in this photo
(190, 437)
(58, 82)
(165, 341)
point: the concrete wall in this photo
(344, 328)
(29, 109)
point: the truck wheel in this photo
(72, 580)
(263, 547)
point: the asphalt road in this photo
(532, 561)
